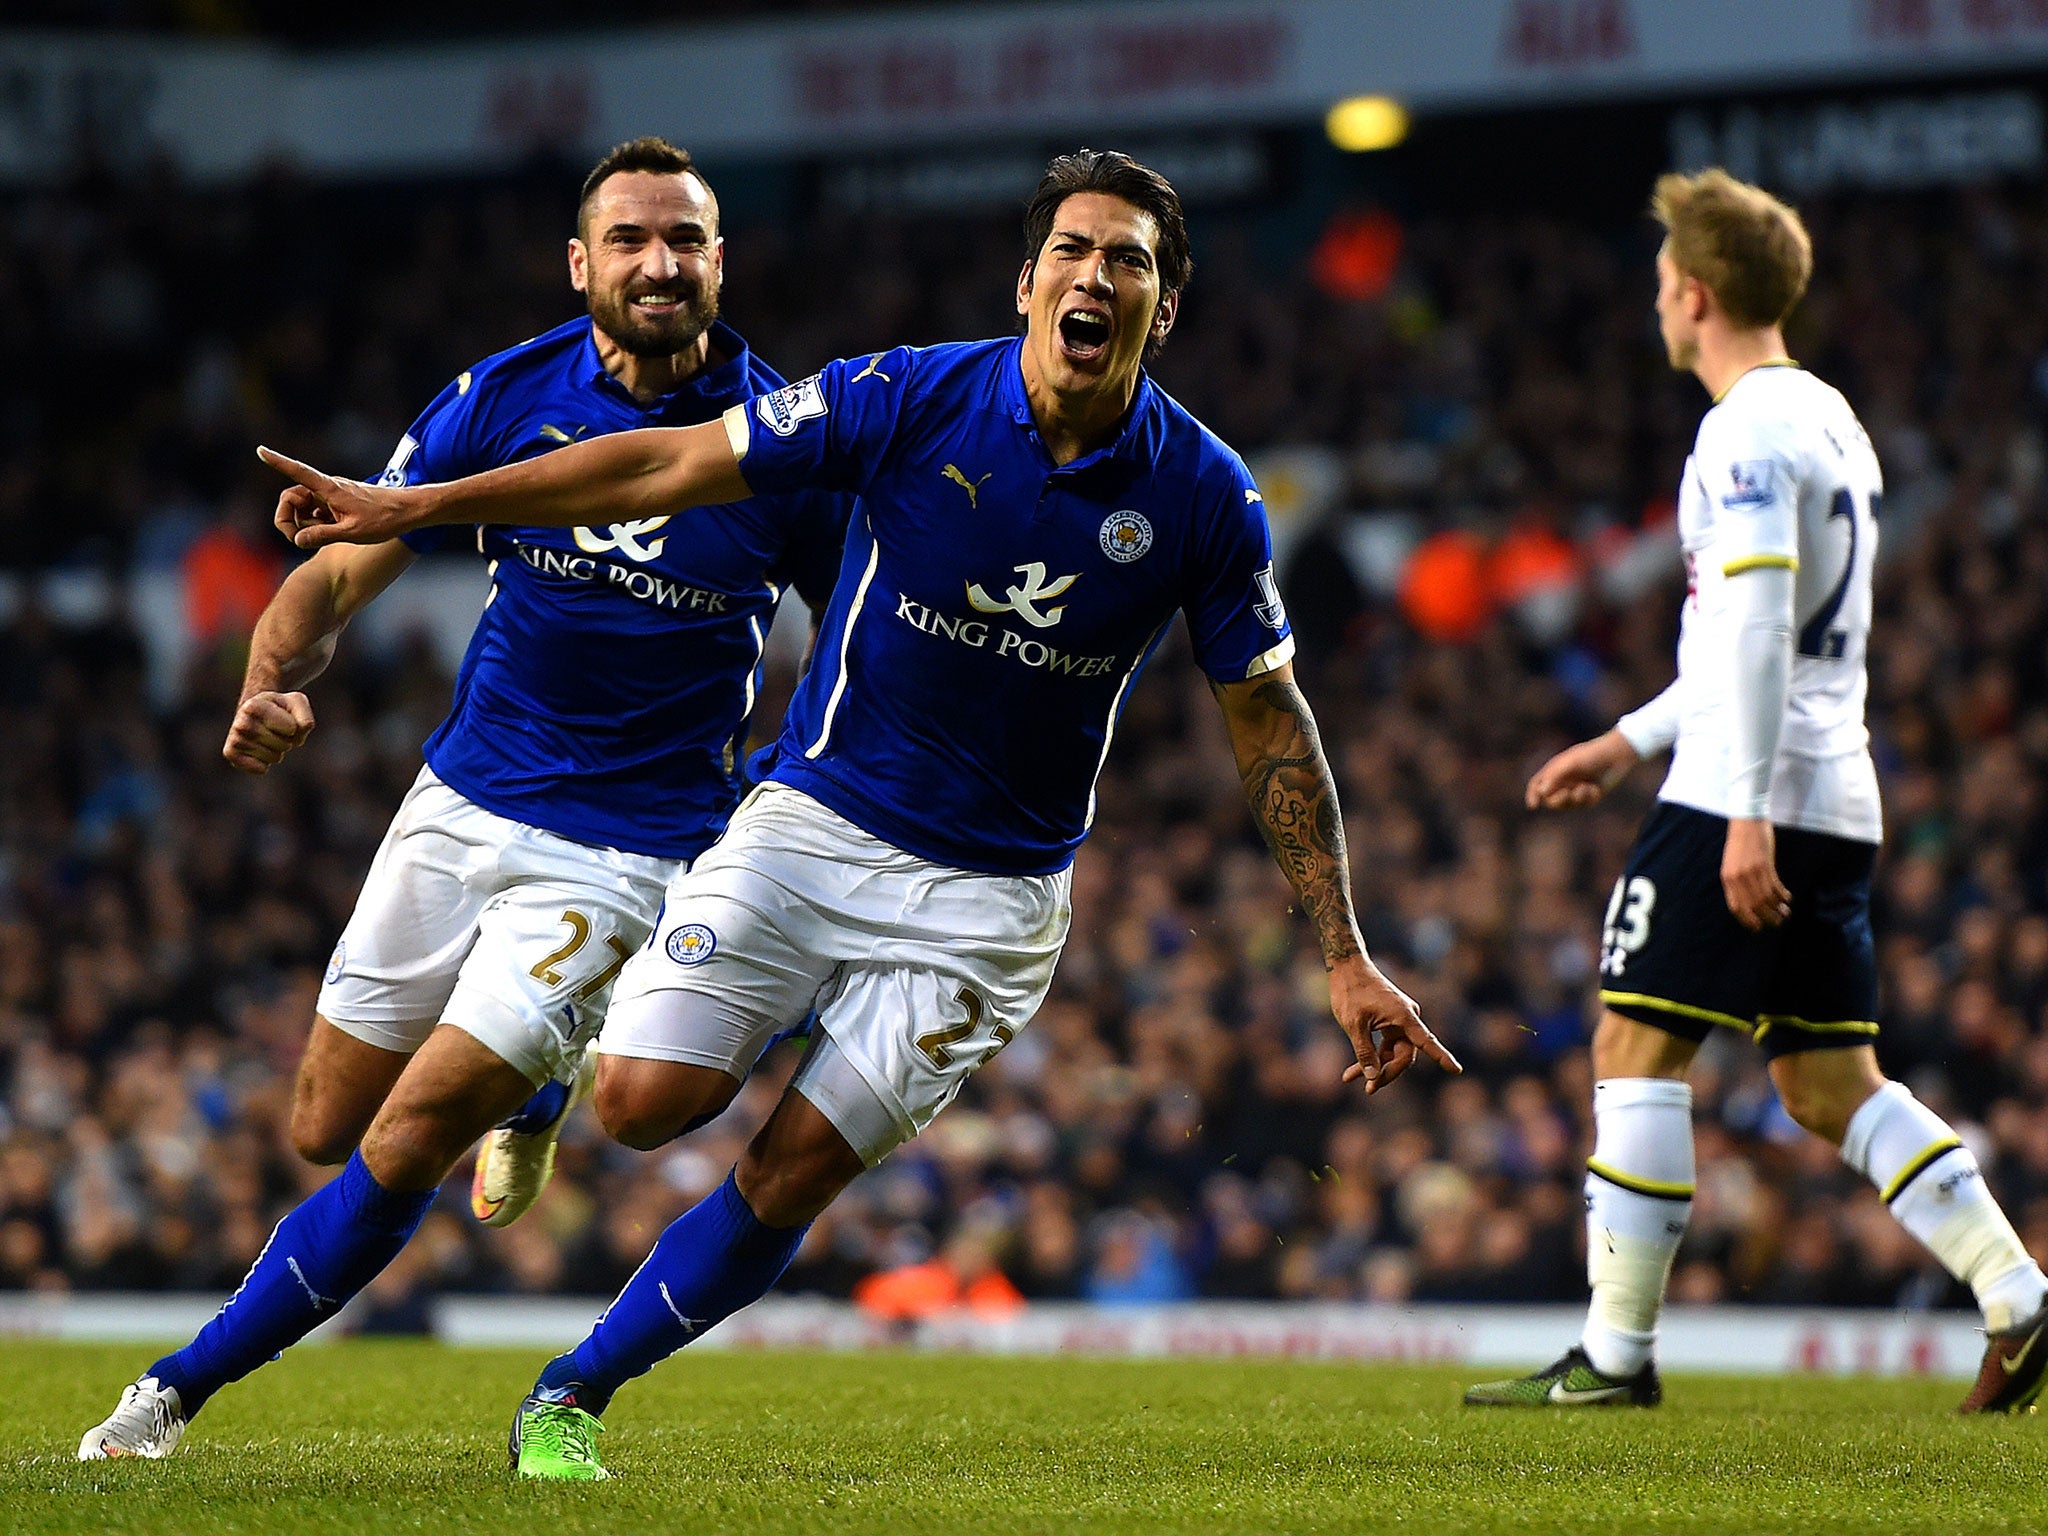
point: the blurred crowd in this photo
(1173, 1125)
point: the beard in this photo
(654, 335)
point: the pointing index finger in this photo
(292, 469)
(1441, 1053)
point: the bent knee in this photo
(1822, 1090)
(1815, 1111)
(323, 1140)
(1825, 1109)
(643, 1104)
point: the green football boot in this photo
(1571, 1382)
(556, 1439)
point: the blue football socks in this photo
(538, 1112)
(326, 1249)
(714, 1259)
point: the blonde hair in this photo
(1748, 249)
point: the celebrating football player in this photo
(1034, 512)
(590, 754)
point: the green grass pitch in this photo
(405, 1437)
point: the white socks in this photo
(1936, 1192)
(1639, 1184)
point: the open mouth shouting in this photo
(1084, 334)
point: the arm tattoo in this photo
(1294, 800)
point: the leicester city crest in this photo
(1126, 536)
(692, 944)
(337, 963)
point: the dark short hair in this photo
(1106, 170)
(647, 153)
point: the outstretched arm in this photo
(1294, 800)
(293, 643)
(613, 479)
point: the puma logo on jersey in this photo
(1024, 600)
(556, 434)
(874, 368)
(972, 488)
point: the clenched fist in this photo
(267, 726)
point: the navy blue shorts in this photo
(1672, 955)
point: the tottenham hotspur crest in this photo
(1126, 536)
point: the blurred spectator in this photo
(230, 573)
(964, 1276)
(1135, 1262)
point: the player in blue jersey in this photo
(589, 754)
(1034, 512)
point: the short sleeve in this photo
(827, 432)
(1751, 481)
(1235, 616)
(438, 447)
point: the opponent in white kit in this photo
(1034, 513)
(1746, 901)
(590, 751)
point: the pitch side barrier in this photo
(1742, 1340)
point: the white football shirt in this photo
(1781, 474)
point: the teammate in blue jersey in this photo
(1034, 512)
(589, 754)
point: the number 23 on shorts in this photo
(1626, 928)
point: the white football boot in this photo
(513, 1167)
(149, 1422)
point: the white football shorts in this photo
(919, 972)
(510, 933)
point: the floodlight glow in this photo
(1360, 123)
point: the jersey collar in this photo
(1136, 442)
(724, 383)
(1769, 362)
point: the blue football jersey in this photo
(993, 608)
(607, 688)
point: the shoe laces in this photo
(138, 1404)
(564, 1431)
